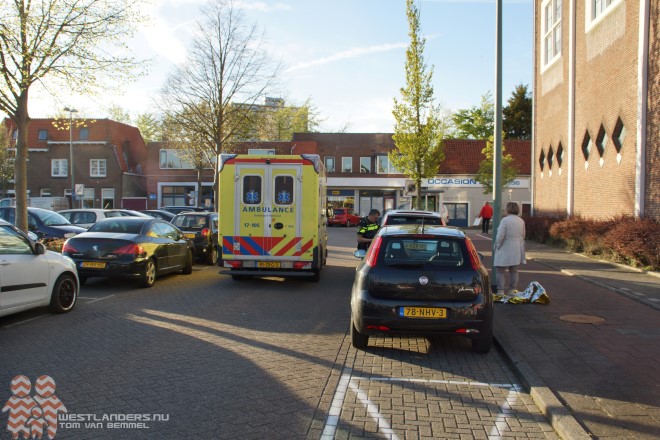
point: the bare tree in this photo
(58, 41)
(226, 73)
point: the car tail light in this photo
(130, 249)
(205, 232)
(233, 264)
(68, 248)
(467, 331)
(302, 265)
(381, 328)
(372, 253)
(474, 255)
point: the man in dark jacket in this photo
(367, 229)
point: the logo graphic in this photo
(252, 196)
(29, 416)
(283, 197)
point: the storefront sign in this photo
(465, 181)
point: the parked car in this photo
(422, 280)
(343, 217)
(178, 209)
(159, 213)
(133, 247)
(86, 217)
(408, 217)
(201, 228)
(31, 276)
(44, 223)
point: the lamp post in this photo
(71, 111)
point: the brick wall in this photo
(653, 121)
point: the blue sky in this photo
(348, 56)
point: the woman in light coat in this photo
(509, 248)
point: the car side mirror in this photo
(360, 253)
(39, 249)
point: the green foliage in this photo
(417, 129)
(150, 127)
(475, 122)
(517, 115)
(485, 173)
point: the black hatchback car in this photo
(201, 228)
(422, 280)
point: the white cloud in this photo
(163, 38)
(347, 54)
(262, 6)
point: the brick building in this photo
(108, 160)
(359, 172)
(596, 114)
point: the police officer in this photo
(367, 229)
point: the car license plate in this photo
(423, 312)
(92, 264)
(189, 235)
(269, 264)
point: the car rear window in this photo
(412, 220)
(428, 251)
(340, 211)
(190, 221)
(121, 225)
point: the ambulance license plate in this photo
(189, 235)
(423, 312)
(92, 264)
(269, 264)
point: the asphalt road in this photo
(203, 356)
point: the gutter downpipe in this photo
(570, 202)
(642, 107)
(534, 73)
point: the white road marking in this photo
(346, 381)
(100, 299)
(23, 322)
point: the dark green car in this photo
(201, 229)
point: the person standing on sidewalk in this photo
(509, 249)
(486, 214)
(367, 229)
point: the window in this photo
(597, 9)
(542, 159)
(59, 168)
(252, 190)
(601, 141)
(618, 135)
(346, 164)
(365, 165)
(560, 155)
(383, 166)
(97, 168)
(551, 22)
(329, 164)
(45, 192)
(260, 151)
(43, 135)
(586, 146)
(283, 190)
(172, 159)
(14, 135)
(84, 134)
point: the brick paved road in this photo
(259, 359)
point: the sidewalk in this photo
(591, 357)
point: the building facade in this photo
(360, 175)
(596, 115)
(107, 159)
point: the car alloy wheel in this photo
(212, 258)
(149, 275)
(65, 294)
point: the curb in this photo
(561, 420)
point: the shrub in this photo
(537, 228)
(54, 244)
(636, 242)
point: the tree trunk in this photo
(22, 121)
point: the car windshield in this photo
(190, 221)
(124, 225)
(340, 211)
(50, 218)
(418, 251)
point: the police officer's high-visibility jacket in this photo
(367, 229)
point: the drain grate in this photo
(582, 319)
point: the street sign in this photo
(80, 189)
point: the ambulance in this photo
(272, 215)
